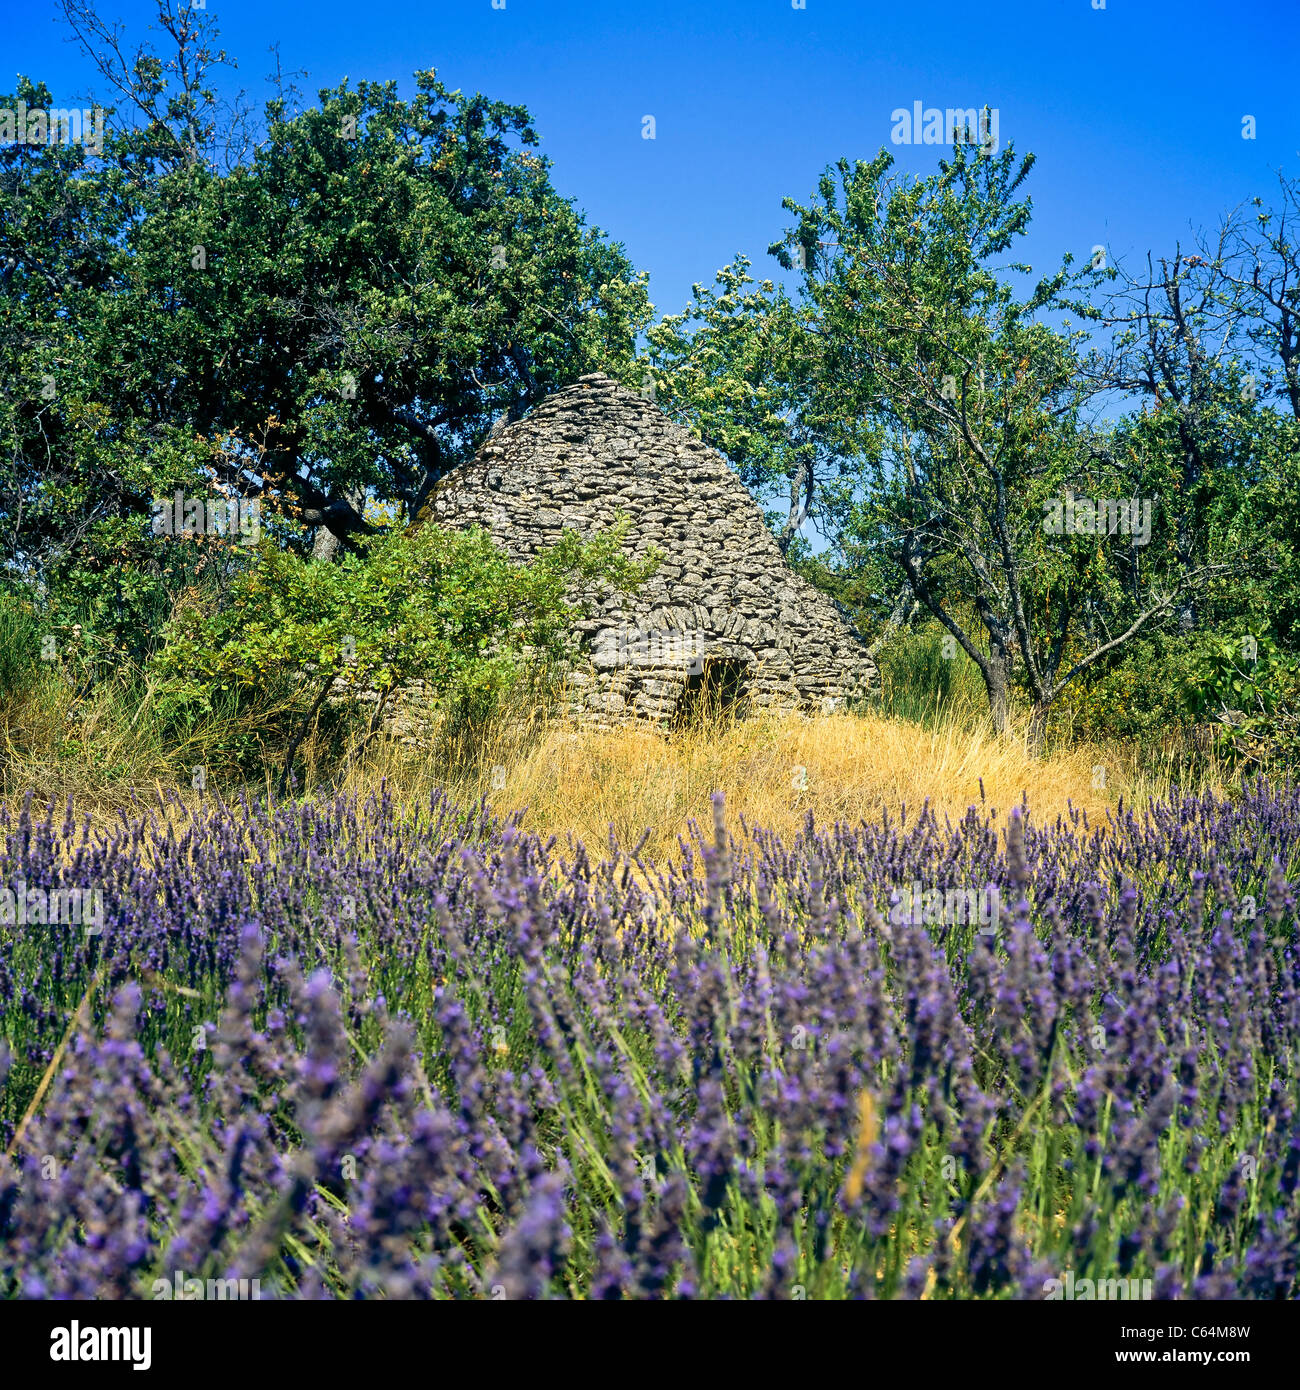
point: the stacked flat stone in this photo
(723, 589)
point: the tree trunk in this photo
(1037, 735)
(325, 547)
(327, 544)
(801, 497)
(904, 611)
(995, 682)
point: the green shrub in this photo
(448, 608)
(1141, 693)
(1250, 688)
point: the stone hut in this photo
(724, 617)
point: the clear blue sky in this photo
(1135, 111)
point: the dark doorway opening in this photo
(718, 688)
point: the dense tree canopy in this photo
(340, 317)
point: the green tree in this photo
(337, 319)
(962, 400)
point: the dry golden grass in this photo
(773, 770)
(100, 750)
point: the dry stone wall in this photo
(723, 592)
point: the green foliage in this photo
(960, 396)
(444, 607)
(20, 643)
(339, 316)
(1140, 694)
(1269, 580)
(1252, 688)
(1240, 692)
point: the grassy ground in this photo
(106, 749)
(927, 738)
(773, 770)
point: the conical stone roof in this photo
(723, 592)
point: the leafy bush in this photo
(444, 607)
(1137, 696)
(1252, 689)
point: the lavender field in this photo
(347, 1051)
